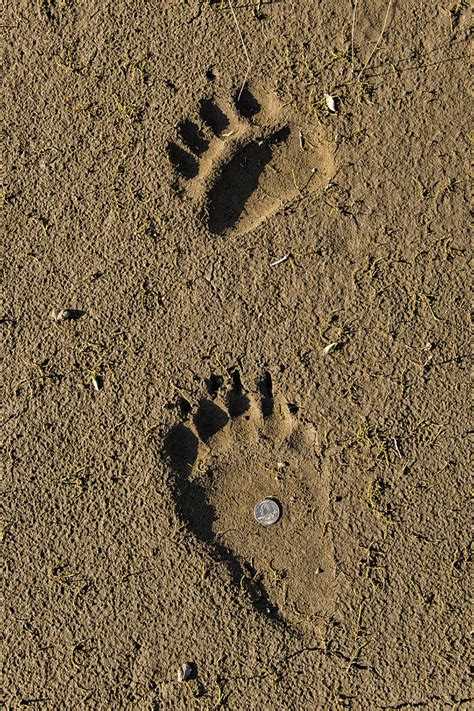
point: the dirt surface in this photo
(255, 215)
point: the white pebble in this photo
(330, 103)
(184, 672)
(63, 315)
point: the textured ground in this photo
(212, 240)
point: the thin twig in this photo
(352, 35)
(280, 261)
(244, 47)
(397, 448)
(379, 39)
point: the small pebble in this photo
(184, 672)
(330, 347)
(97, 382)
(330, 103)
(63, 315)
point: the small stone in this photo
(63, 315)
(330, 347)
(184, 672)
(330, 103)
(97, 382)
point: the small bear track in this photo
(244, 160)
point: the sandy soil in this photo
(265, 297)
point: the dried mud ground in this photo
(211, 243)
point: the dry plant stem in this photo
(352, 35)
(231, 5)
(384, 27)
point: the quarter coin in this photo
(267, 512)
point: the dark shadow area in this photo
(181, 449)
(209, 419)
(213, 385)
(247, 104)
(266, 388)
(182, 161)
(212, 115)
(238, 180)
(73, 314)
(192, 138)
(184, 407)
(237, 401)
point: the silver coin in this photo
(267, 512)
